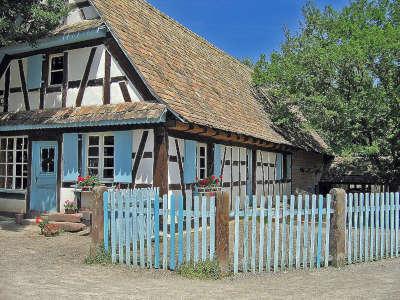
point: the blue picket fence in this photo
(372, 226)
(142, 229)
(281, 233)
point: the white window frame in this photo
(14, 163)
(198, 168)
(101, 156)
(52, 71)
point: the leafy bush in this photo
(208, 269)
(100, 257)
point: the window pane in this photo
(93, 162)
(9, 156)
(19, 157)
(18, 170)
(24, 183)
(18, 183)
(10, 144)
(3, 144)
(9, 182)
(3, 156)
(25, 143)
(2, 169)
(56, 77)
(9, 170)
(108, 151)
(2, 182)
(109, 140)
(25, 156)
(93, 171)
(202, 162)
(19, 143)
(57, 63)
(202, 174)
(45, 153)
(108, 173)
(108, 162)
(93, 151)
(93, 140)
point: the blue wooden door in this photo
(43, 195)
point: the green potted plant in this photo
(70, 207)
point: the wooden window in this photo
(201, 161)
(13, 163)
(101, 156)
(56, 69)
(47, 155)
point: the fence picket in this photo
(298, 230)
(253, 234)
(291, 221)
(203, 228)
(120, 230)
(188, 226)
(141, 229)
(387, 230)
(156, 230)
(113, 231)
(327, 228)
(319, 239)
(246, 234)
(382, 224)
(105, 221)
(349, 199)
(128, 227)
(377, 230)
(269, 230)
(355, 241)
(149, 228)
(312, 236)
(165, 233)
(372, 228)
(196, 229)
(397, 223)
(180, 229)
(391, 224)
(276, 240)
(305, 235)
(172, 233)
(283, 248)
(134, 227)
(236, 244)
(361, 237)
(212, 227)
(261, 239)
(366, 229)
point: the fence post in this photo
(338, 228)
(96, 232)
(222, 230)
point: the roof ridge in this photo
(194, 34)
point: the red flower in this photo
(217, 181)
(197, 178)
(80, 179)
(38, 220)
(213, 177)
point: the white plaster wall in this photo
(173, 167)
(66, 194)
(145, 170)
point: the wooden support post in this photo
(338, 228)
(222, 230)
(96, 232)
(160, 167)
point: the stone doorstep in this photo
(60, 217)
(70, 226)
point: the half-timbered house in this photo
(123, 92)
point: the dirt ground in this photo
(52, 268)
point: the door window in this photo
(47, 155)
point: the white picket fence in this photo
(283, 235)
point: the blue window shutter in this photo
(70, 157)
(123, 156)
(189, 165)
(34, 71)
(217, 160)
(289, 167)
(84, 154)
(279, 159)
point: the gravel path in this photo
(51, 268)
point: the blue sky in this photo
(241, 28)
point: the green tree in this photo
(342, 70)
(29, 20)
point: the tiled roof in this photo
(195, 79)
(76, 27)
(115, 114)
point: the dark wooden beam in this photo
(160, 167)
(23, 84)
(6, 90)
(130, 71)
(254, 172)
(107, 78)
(45, 80)
(210, 159)
(125, 92)
(85, 77)
(223, 163)
(138, 156)
(65, 81)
